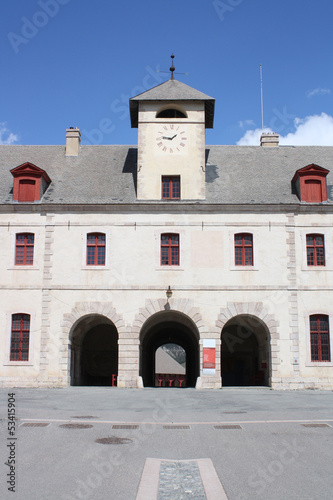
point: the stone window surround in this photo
(35, 265)
(107, 233)
(169, 230)
(30, 361)
(255, 239)
(328, 261)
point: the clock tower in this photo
(171, 119)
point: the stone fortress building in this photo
(110, 252)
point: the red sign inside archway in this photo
(208, 357)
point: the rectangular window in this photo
(320, 338)
(169, 249)
(19, 344)
(24, 249)
(95, 249)
(243, 249)
(171, 187)
(315, 250)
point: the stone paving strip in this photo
(180, 480)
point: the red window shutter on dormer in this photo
(313, 191)
(26, 190)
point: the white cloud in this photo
(315, 130)
(318, 91)
(6, 136)
(252, 137)
(244, 123)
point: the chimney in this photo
(73, 140)
(268, 140)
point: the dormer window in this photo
(171, 113)
(310, 183)
(30, 183)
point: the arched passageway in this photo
(245, 352)
(94, 356)
(169, 327)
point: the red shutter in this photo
(313, 191)
(26, 190)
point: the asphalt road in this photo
(268, 453)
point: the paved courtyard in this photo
(167, 444)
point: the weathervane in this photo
(172, 69)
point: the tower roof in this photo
(173, 90)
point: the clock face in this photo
(171, 138)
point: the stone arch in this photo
(161, 321)
(89, 311)
(184, 306)
(255, 310)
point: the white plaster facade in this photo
(66, 298)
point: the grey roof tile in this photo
(107, 174)
(173, 90)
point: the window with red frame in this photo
(24, 249)
(315, 250)
(95, 249)
(171, 187)
(19, 343)
(320, 338)
(169, 249)
(243, 249)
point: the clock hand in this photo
(173, 136)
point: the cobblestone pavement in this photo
(180, 481)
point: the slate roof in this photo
(107, 174)
(173, 90)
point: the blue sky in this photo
(76, 63)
